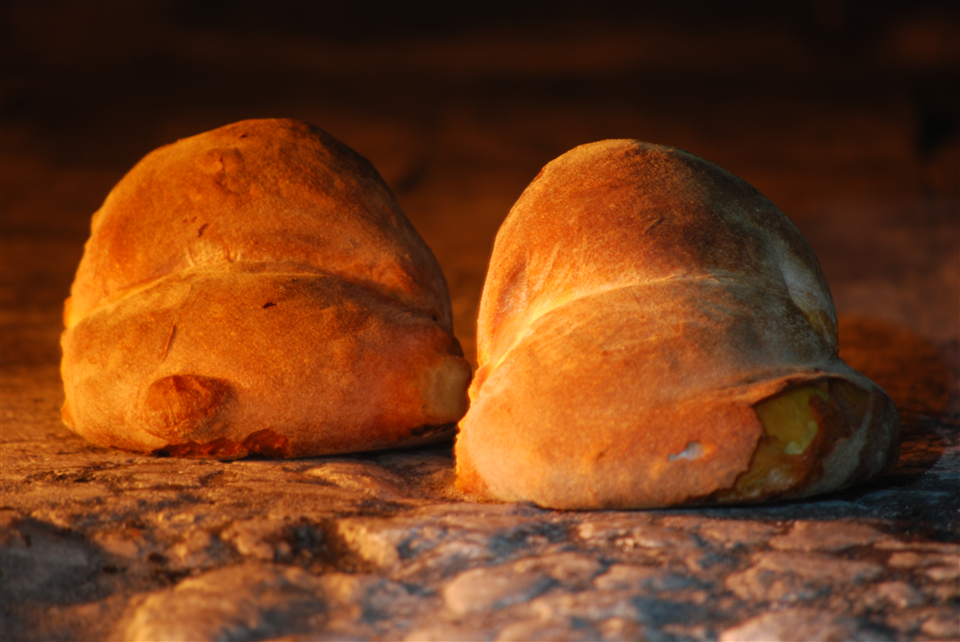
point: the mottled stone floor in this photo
(844, 117)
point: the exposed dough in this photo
(257, 289)
(654, 332)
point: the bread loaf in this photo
(257, 289)
(655, 332)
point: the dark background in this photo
(844, 113)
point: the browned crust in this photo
(257, 191)
(257, 290)
(620, 212)
(332, 366)
(640, 301)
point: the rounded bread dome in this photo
(653, 332)
(270, 191)
(257, 289)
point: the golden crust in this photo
(278, 192)
(257, 289)
(640, 304)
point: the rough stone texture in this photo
(848, 121)
(805, 624)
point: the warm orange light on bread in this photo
(257, 289)
(655, 332)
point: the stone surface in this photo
(817, 536)
(790, 577)
(804, 624)
(483, 590)
(238, 602)
(847, 120)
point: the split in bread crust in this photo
(257, 289)
(655, 332)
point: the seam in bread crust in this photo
(557, 303)
(272, 268)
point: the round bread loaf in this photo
(257, 289)
(655, 332)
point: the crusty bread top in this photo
(652, 332)
(280, 193)
(620, 212)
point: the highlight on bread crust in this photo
(257, 289)
(654, 332)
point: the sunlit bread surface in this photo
(653, 332)
(257, 289)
